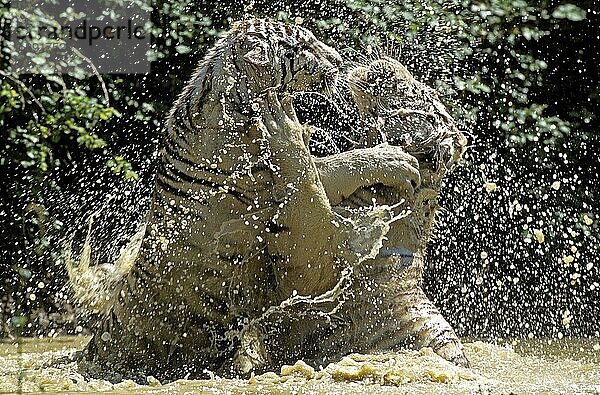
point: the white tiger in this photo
(388, 297)
(229, 159)
(383, 306)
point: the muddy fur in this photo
(240, 221)
(379, 304)
(409, 114)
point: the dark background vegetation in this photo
(520, 76)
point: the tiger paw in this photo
(454, 353)
(251, 356)
(281, 125)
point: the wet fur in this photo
(231, 172)
(408, 114)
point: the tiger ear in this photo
(258, 55)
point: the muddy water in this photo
(535, 366)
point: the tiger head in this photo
(406, 113)
(279, 55)
(254, 56)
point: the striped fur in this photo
(384, 308)
(408, 114)
(185, 298)
(240, 221)
(208, 265)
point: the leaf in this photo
(182, 49)
(38, 59)
(570, 12)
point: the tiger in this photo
(404, 113)
(383, 308)
(214, 253)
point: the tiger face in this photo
(380, 86)
(288, 57)
(406, 113)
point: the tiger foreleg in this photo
(307, 235)
(344, 173)
(419, 322)
(244, 235)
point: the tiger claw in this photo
(282, 126)
(251, 355)
(454, 353)
(287, 104)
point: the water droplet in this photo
(490, 186)
(568, 259)
(539, 235)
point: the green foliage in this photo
(120, 166)
(504, 29)
(38, 116)
(45, 111)
(569, 11)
